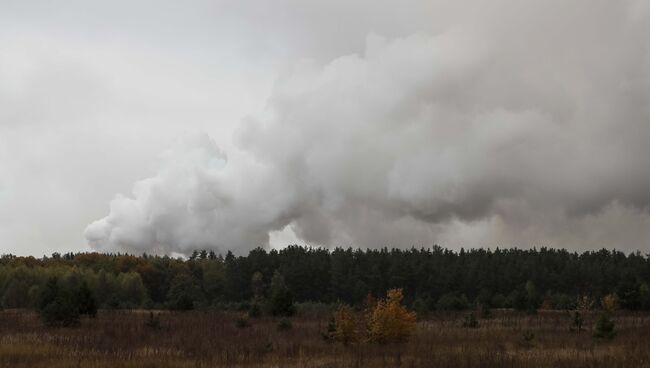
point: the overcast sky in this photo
(167, 126)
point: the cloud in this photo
(524, 124)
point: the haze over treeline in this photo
(434, 278)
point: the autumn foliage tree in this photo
(390, 321)
(347, 325)
(383, 321)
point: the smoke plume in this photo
(520, 125)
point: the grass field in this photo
(213, 339)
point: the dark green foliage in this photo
(470, 321)
(182, 293)
(644, 295)
(563, 301)
(60, 313)
(441, 278)
(284, 324)
(517, 300)
(452, 301)
(57, 306)
(532, 297)
(329, 334)
(242, 322)
(16, 294)
(498, 301)
(255, 310)
(605, 327)
(420, 307)
(281, 299)
(86, 301)
(485, 310)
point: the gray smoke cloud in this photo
(525, 124)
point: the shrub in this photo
(330, 333)
(153, 322)
(255, 311)
(346, 326)
(584, 303)
(315, 307)
(485, 311)
(242, 322)
(470, 321)
(604, 327)
(563, 301)
(60, 314)
(452, 301)
(57, 307)
(390, 321)
(86, 301)
(182, 292)
(499, 301)
(420, 307)
(610, 303)
(284, 324)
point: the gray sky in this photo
(167, 126)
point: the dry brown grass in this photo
(211, 339)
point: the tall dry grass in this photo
(212, 339)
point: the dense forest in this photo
(433, 278)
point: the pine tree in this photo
(281, 299)
(57, 306)
(86, 301)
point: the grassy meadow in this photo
(215, 339)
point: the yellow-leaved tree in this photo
(389, 320)
(610, 303)
(347, 325)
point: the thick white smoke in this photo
(521, 125)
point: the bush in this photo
(452, 301)
(242, 322)
(86, 301)
(58, 307)
(346, 325)
(60, 313)
(470, 321)
(610, 303)
(604, 328)
(255, 311)
(315, 307)
(153, 322)
(284, 324)
(182, 292)
(420, 307)
(563, 301)
(330, 333)
(499, 301)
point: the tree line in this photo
(431, 278)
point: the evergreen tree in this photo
(57, 306)
(280, 301)
(86, 301)
(183, 292)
